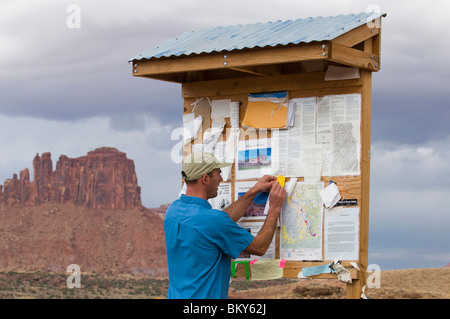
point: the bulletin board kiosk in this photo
(290, 99)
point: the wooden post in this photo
(354, 290)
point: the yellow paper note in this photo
(281, 179)
(265, 114)
(266, 269)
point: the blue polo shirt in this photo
(200, 242)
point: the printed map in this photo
(344, 145)
(301, 223)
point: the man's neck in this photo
(193, 191)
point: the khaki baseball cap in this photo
(197, 164)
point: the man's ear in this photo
(204, 178)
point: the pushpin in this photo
(281, 179)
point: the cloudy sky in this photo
(70, 90)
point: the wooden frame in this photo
(300, 70)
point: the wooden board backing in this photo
(305, 85)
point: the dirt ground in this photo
(429, 283)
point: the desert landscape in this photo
(88, 212)
(427, 283)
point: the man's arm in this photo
(262, 240)
(237, 209)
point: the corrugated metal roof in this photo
(237, 37)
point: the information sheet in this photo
(256, 210)
(254, 228)
(254, 158)
(288, 144)
(223, 198)
(341, 233)
(338, 132)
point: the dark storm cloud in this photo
(408, 119)
(59, 73)
(96, 95)
(408, 213)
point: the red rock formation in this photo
(104, 178)
(49, 237)
(87, 211)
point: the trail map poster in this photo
(301, 223)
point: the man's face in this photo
(214, 180)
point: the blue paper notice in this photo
(317, 270)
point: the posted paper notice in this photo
(341, 233)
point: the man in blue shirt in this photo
(201, 241)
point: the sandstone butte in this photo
(104, 178)
(88, 211)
